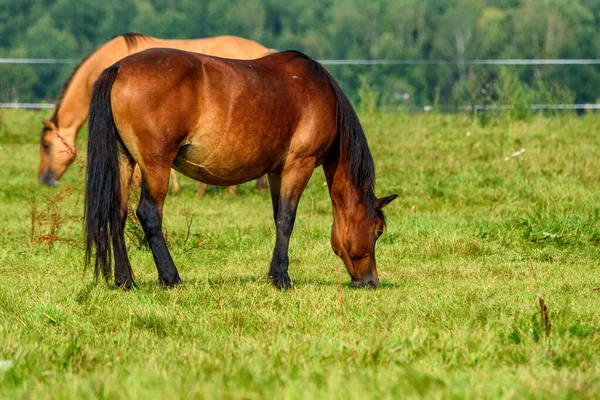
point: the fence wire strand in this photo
(506, 62)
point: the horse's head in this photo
(56, 154)
(353, 239)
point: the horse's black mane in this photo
(130, 38)
(353, 143)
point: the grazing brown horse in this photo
(58, 136)
(225, 122)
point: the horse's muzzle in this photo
(47, 178)
(366, 282)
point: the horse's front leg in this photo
(286, 189)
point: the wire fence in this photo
(537, 107)
(27, 106)
(357, 62)
(361, 62)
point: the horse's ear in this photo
(48, 124)
(384, 201)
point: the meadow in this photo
(490, 218)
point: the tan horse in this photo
(225, 122)
(58, 136)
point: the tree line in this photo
(450, 30)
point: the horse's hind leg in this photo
(174, 182)
(286, 188)
(261, 183)
(201, 192)
(123, 275)
(155, 185)
(137, 179)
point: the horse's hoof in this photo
(282, 282)
(125, 284)
(170, 282)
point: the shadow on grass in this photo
(248, 280)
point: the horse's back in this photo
(265, 88)
(228, 46)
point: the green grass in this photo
(475, 239)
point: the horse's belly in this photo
(213, 168)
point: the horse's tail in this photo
(103, 194)
(352, 141)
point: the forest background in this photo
(452, 31)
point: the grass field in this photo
(481, 231)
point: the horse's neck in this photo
(75, 103)
(346, 198)
(73, 107)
